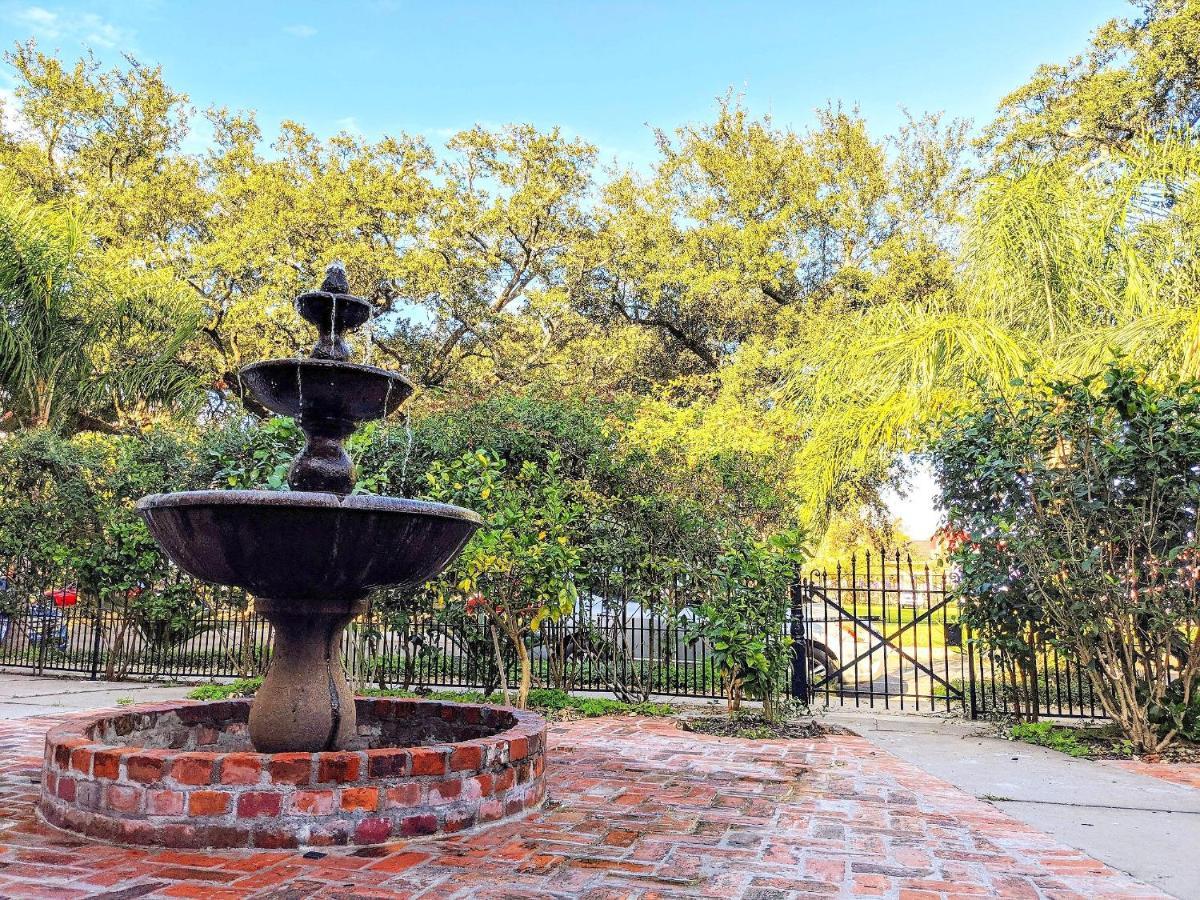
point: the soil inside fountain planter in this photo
(222, 726)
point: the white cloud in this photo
(36, 17)
(86, 27)
(300, 31)
(103, 34)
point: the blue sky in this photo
(603, 70)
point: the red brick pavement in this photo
(1187, 774)
(637, 809)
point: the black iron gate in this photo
(880, 634)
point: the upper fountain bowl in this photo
(310, 548)
(342, 312)
(326, 390)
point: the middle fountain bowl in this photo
(326, 389)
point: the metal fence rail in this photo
(1049, 685)
(630, 633)
(877, 632)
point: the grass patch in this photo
(1053, 737)
(1095, 742)
(543, 700)
(243, 687)
(590, 707)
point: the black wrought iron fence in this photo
(876, 632)
(631, 633)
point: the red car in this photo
(66, 596)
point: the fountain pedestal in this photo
(323, 464)
(305, 702)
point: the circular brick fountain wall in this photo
(186, 776)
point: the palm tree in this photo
(77, 350)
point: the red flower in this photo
(950, 539)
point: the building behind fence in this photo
(876, 633)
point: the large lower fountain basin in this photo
(299, 545)
(185, 775)
(309, 558)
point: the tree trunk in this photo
(526, 675)
(500, 667)
(114, 667)
(246, 666)
(768, 708)
(1029, 689)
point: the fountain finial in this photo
(336, 281)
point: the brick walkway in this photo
(638, 809)
(1187, 774)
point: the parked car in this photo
(833, 640)
(642, 631)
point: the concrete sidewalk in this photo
(1146, 827)
(32, 695)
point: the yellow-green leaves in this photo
(521, 565)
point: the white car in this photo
(834, 640)
(644, 633)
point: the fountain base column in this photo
(305, 703)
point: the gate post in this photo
(97, 632)
(799, 651)
(969, 647)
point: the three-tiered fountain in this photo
(305, 763)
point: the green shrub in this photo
(1177, 712)
(744, 622)
(653, 709)
(1071, 520)
(1046, 734)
